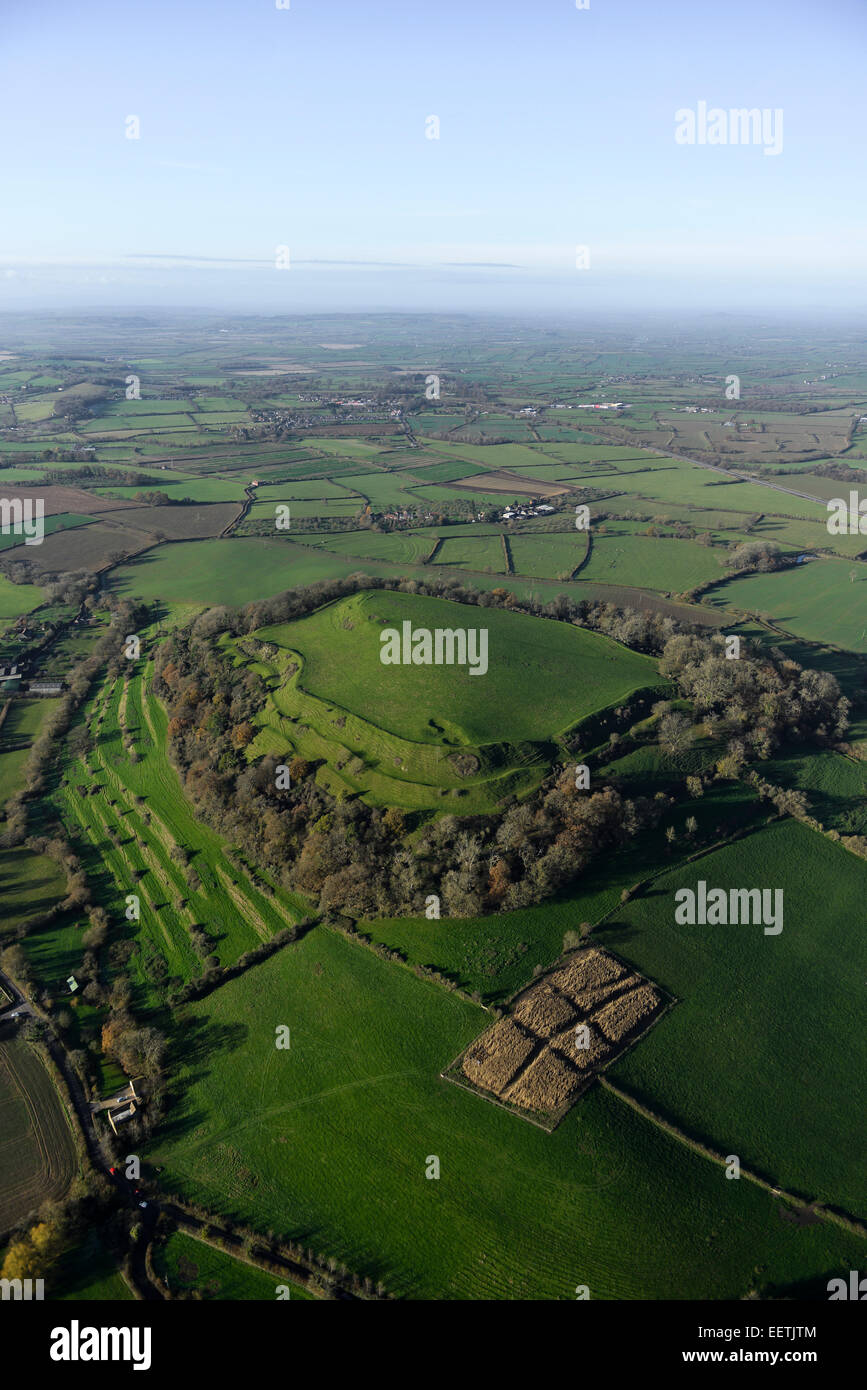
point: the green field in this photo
(29, 883)
(820, 600)
(390, 738)
(233, 910)
(476, 553)
(398, 547)
(11, 763)
(16, 599)
(650, 562)
(835, 786)
(765, 1053)
(186, 1264)
(230, 571)
(548, 556)
(235, 572)
(580, 671)
(332, 1136)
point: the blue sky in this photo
(305, 128)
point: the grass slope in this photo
(580, 671)
(765, 1054)
(332, 1136)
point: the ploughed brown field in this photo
(58, 499)
(501, 480)
(131, 527)
(561, 1032)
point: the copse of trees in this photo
(759, 698)
(759, 556)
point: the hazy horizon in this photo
(307, 128)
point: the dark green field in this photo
(188, 1265)
(765, 1054)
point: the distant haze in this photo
(306, 128)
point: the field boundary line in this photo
(588, 551)
(839, 1218)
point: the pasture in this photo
(835, 786)
(186, 1265)
(765, 1053)
(334, 1134)
(582, 672)
(16, 599)
(824, 601)
(133, 813)
(29, 883)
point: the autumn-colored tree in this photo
(14, 962)
(499, 879)
(20, 1261)
(112, 1033)
(34, 1256)
(242, 734)
(394, 820)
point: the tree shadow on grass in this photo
(197, 1044)
(811, 1290)
(199, 1041)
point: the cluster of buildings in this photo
(511, 513)
(11, 676)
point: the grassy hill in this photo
(410, 735)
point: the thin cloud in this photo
(193, 260)
(377, 265)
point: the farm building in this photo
(118, 1117)
(122, 1106)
